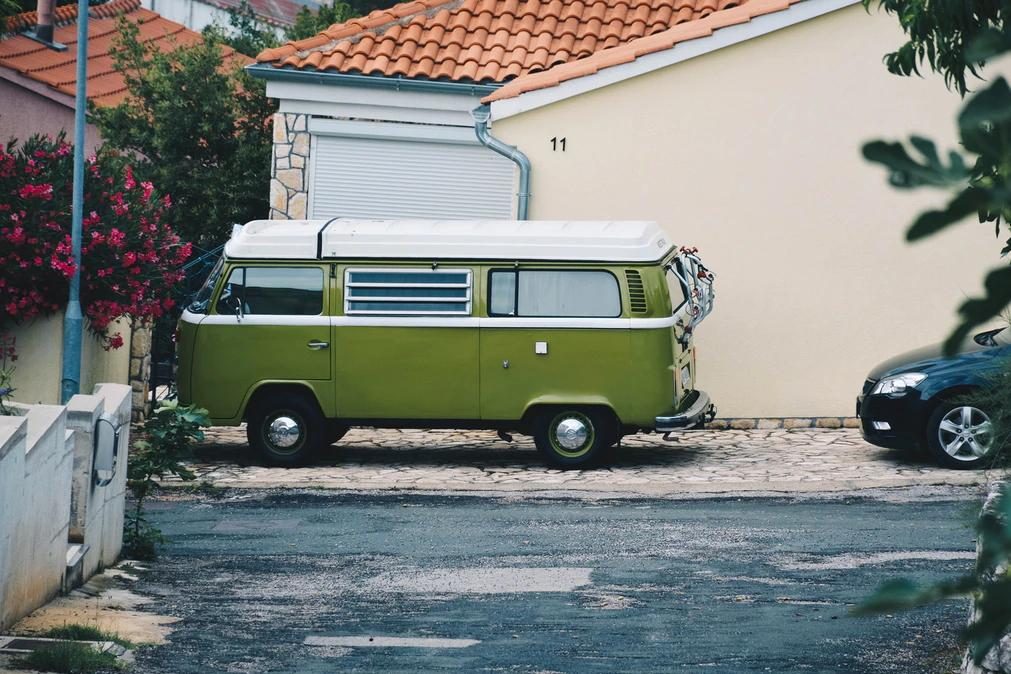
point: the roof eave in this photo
(797, 12)
(269, 72)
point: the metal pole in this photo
(73, 320)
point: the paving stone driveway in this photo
(709, 461)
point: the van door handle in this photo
(317, 345)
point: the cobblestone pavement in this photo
(709, 461)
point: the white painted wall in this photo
(39, 373)
(194, 14)
(97, 513)
(752, 153)
(36, 464)
(47, 497)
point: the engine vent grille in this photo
(636, 292)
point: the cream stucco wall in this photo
(38, 374)
(752, 153)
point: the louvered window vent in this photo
(636, 292)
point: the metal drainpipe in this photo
(481, 115)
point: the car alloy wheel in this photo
(965, 433)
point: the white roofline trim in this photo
(682, 51)
(349, 128)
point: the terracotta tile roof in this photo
(494, 41)
(647, 45)
(57, 70)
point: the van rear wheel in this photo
(286, 430)
(573, 438)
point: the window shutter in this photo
(398, 178)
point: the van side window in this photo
(411, 292)
(549, 293)
(277, 291)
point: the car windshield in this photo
(203, 297)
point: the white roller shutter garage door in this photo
(438, 173)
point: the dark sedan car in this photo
(919, 400)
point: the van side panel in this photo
(653, 370)
(232, 358)
(580, 365)
(187, 336)
(406, 372)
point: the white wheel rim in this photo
(965, 433)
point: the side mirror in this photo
(106, 453)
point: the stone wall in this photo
(140, 369)
(789, 423)
(998, 660)
(289, 186)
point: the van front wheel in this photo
(286, 430)
(573, 438)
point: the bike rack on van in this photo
(698, 282)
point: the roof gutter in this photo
(268, 72)
(482, 115)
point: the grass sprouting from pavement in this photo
(76, 632)
(69, 657)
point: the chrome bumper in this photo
(700, 411)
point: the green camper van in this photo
(576, 333)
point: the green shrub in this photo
(69, 657)
(167, 439)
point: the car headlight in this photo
(897, 385)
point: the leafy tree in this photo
(245, 33)
(956, 39)
(309, 23)
(200, 129)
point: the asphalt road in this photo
(307, 583)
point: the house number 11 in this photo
(556, 143)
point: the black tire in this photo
(309, 422)
(938, 437)
(335, 431)
(598, 426)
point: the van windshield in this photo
(202, 299)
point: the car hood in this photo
(931, 358)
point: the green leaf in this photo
(968, 202)
(990, 106)
(987, 44)
(981, 309)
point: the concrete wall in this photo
(36, 464)
(38, 376)
(96, 513)
(752, 153)
(49, 503)
(25, 112)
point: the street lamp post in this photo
(73, 321)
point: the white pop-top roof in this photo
(618, 241)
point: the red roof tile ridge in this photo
(629, 51)
(66, 14)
